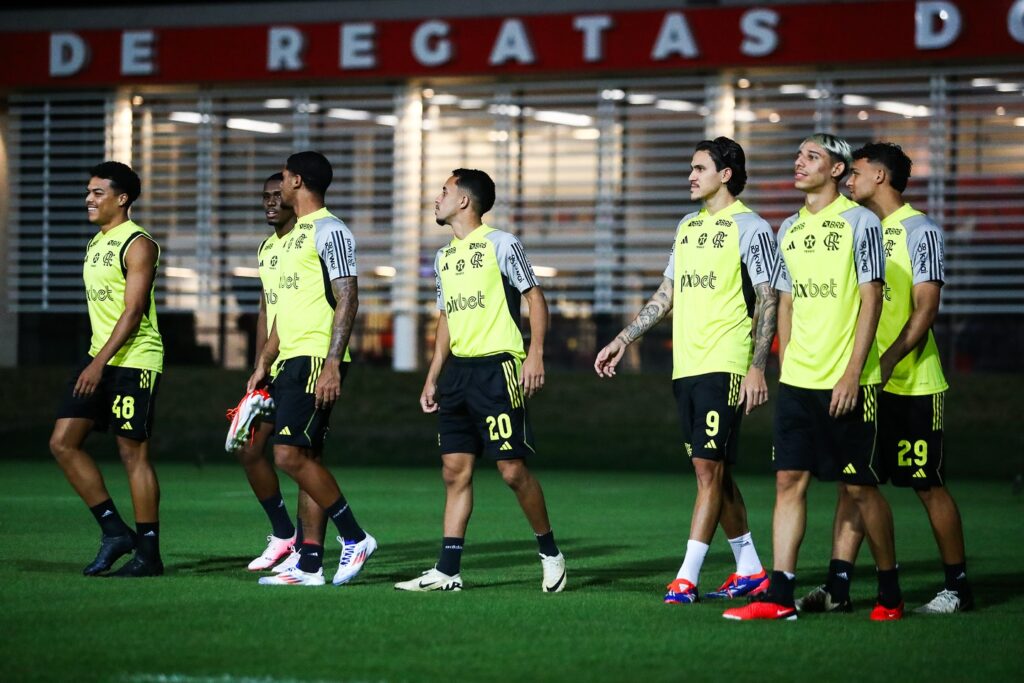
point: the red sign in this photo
(819, 33)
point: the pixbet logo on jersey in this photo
(102, 294)
(462, 303)
(811, 289)
(288, 282)
(695, 279)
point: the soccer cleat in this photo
(353, 556)
(737, 586)
(681, 592)
(112, 548)
(431, 580)
(820, 600)
(277, 549)
(294, 577)
(762, 609)
(554, 573)
(254, 404)
(946, 602)
(287, 563)
(883, 613)
(138, 567)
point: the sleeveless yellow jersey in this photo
(480, 281)
(714, 265)
(319, 249)
(104, 273)
(913, 254)
(825, 258)
(268, 260)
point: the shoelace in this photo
(347, 552)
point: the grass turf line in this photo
(623, 535)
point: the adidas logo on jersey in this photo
(126, 426)
(920, 474)
(285, 432)
(850, 469)
(505, 446)
(710, 445)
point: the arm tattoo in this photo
(765, 319)
(652, 312)
(346, 294)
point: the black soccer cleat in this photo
(112, 548)
(138, 567)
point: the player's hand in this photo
(753, 390)
(844, 396)
(608, 358)
(532, 379)
(428, 397)
(88, 380)
(328, 384)
(887, 365)
(256, 379)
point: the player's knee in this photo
(860, 493)
(59, 447)
(456, 476)
(288, 458)
(132, 455)
(709, 472)
(514, 473)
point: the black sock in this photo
(956, 578)
(300, 536)
(108, 518)
(311, 557)
(277, 513)
(780, 591)
(889, 594)
(450, 561)
(346, 522)
(148, 543)
(546, 542)
(840, 574)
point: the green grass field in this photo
(622, 532)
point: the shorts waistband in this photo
(483, 360)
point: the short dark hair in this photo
(727, 153)
(892, 156)
(274, 178)
(123, 180)
(315, 170)
(478, 185)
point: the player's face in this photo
(813, 167)
(273, 207)
(705, 181)
(103, 204)
(446, 204)
(863, 180)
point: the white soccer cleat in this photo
(431, 580)
(288, 562)
(554, 573)
(277, 548)
(353, 557)
(946, 602)
(294, 577)
(256, 403)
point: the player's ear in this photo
(726, 174)
(122, 199)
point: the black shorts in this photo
(710, 415)
(910, 439)
(808, 439)
(481, 408)
(297, 420)
(123, 403)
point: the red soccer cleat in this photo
(883, 613)
(761, 610)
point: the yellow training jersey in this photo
(269, 260)
(913, 254)
(714, 265)
(480, 280)
(104, 274)
(319, 249)
(826, 256)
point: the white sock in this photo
(747, 562)
(693, 561)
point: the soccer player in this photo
(911, 403)
(830, 281)
(481, 276)
(116, 386)
(285, 538)
(718, 282)
(316, 308)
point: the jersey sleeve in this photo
(437, 280)
(758, 249)
(337, 248)
(512, 261)
(780, 277)
(927, 251)
(869, 256)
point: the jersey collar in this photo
(840, 203)
(899, 215)
(728, 212)
(482, 227)
(322, 212)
